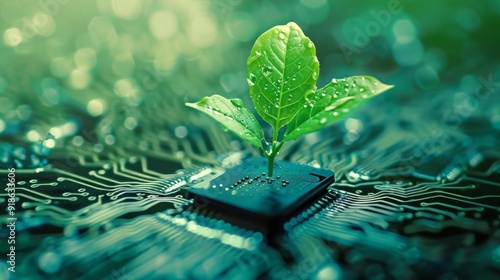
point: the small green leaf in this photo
(233, 116)
(282, 69)
(332, 102)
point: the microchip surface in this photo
(246, 191)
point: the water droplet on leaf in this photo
(266, 70)
(315, 75)
(237, 102)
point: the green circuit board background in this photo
(92, 118)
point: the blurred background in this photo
(92, 117)
(70, 65)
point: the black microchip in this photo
(245, 194)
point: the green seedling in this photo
(282, 74)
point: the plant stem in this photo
(276, 146)
(272, 155)
(270, 164)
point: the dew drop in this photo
(237, 102)
(322, 121)
(266, 70)
(334, 81)
(251, 79)
(282, 35)
(269, 148)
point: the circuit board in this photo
(121, 214)
(112, 177)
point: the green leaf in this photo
(332, 102)
(233, 116)
(282, 70)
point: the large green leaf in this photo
(332, 102)
(282, 69)
(232, 115)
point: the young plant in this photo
(282, 74)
